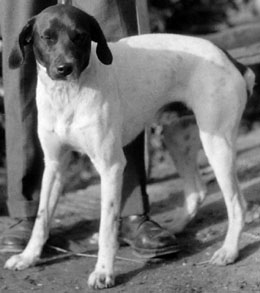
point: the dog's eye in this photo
(46, 37)
(79, 38)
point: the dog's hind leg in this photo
(218, 121)
(56, 161)
(220, 152)
(183, 143)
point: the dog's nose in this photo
(65, 69)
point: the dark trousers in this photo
(24, 155)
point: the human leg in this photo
(134, 196)
(147, 238)
(24, 156)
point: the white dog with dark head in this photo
(95, 98)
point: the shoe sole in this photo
(150, 253)
(153, 254)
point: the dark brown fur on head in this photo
(60, 37)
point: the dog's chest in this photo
(60, 108)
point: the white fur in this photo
(110, 105)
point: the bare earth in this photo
(188, 271)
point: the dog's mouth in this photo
(67, 73)
(62, 77)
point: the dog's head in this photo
(60, 37)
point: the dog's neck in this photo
(60, 94)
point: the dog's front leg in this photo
(111, 188)
(55, 163)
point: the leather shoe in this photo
(16, 237)
(147, 238)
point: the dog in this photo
(96, 97)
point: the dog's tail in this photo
(245, 71)
(249, 77)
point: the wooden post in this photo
(67, 2)
(143, 24)
(142, 17)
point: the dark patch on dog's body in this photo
(187, 150)
(186, 137)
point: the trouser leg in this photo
(23, 152)
(24, 156)
(135, 199)
(118, 19)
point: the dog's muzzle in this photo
(64, 70)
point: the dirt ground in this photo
(188, 271)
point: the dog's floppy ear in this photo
(16, 57)
(103, 52)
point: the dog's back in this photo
(153, 70)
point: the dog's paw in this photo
(223, 257)
(19, 262)
(101, 280)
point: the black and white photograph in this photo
(130, 146)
